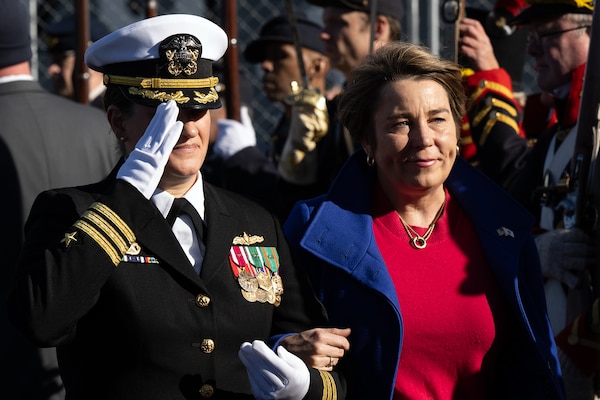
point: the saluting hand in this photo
(145, 165)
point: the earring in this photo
(123, 139)
(457, 150)
(370, 161)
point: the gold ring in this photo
(330, 362)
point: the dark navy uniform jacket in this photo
(148, 327)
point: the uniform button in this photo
(207, 346)
(207, 391)
(202, 300)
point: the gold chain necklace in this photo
(417, 241)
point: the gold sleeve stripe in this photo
(496, 87)
(488, 85)
(492, 122)
(477, 119)
(107, 228)
(466, 140)
(161, 83)
(329, 388)
(100, 240)
(115, 219)
(505, 106)
(496, 103)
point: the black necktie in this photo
(182, 206)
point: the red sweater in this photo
(446, 294)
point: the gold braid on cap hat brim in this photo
(589, 4)
(161, 83)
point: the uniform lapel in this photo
(157, 239)
(221, 228)
(346, 241)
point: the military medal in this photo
(256, 269)
(271, 296)
(247, 281)
(264, 280)
(277, 284)
(250, 296)
(261, 295)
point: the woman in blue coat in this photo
(431, 265)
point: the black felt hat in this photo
(278, 30)
(391, 8)
(15, 40)
(540, 9)
(61, 35)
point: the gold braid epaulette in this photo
(329, 387)
(107, 229)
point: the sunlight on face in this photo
(190, 151)
(415, 136)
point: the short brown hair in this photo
(395, 61)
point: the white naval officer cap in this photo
(167, 57)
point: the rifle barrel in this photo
(81, 75)
(151, 8)
(289, 6)
(232, 98)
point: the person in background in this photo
(61, 44)
(47, 141)
(493, 54)
(538, 176)
(347, 37)
(245, 168)
(347, 33)
(152, 283)
(443, 298)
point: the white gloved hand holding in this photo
(280, 376)
(145, 165)
(234, 136)
(564, 254)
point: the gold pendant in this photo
(418, 242)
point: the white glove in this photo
(145, 165)
(564, 254)
(281, 376)
(234, 136)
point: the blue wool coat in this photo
(333, 237)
